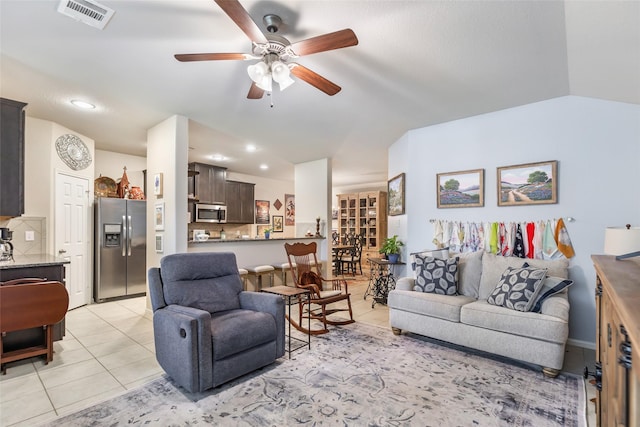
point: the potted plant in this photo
(391, 248)
(267, 232)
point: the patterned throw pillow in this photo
(436, 253)
(518, 288)
(436, 276)
(550, 286)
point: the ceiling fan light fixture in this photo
(265, 83)
(281, 74)
(258, 71)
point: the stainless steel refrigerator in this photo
(120, 256)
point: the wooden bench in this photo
(30, 305)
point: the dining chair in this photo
(352, 260)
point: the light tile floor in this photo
(108, 349)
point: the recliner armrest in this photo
(183, 345)
(267, 303)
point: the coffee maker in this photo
(6, 247)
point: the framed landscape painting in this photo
(463, 189)
(395, 191)
(262, 212)
(528, 184)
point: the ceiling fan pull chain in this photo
(270, 95)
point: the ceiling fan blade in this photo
(241, 17)
(331, 41)
(188, 57)
(315, 79)
(255, 92)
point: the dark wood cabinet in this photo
(240, 202)
(11, 158)
(27, 337)
(209, 183)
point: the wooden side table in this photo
(288, 293)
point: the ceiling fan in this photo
(275, 53)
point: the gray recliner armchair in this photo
(208, 330)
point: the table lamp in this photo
(624, 242)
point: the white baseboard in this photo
(580, 343)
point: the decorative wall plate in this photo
(105, 187)
(73, 152)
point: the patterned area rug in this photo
(359, 375)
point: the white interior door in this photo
(72, 235)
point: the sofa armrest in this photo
(183, 345)
(405, 283)
(267, 303)
(557, 306)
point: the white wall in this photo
(41, 166)
(111, 165)
(313, 199)
(167, 148)
(597, 146)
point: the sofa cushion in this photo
(493, 266)
(438, 276)
(550, 286)
(526, 324)
(518, 288)
(236, 331)
(469, 273)
(445, 307)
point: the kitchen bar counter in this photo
(234, 240)
(255, 251)
(28, 261)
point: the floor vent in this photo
(88, 11)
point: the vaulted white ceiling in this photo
(418, 63)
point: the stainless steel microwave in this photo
(211, 213)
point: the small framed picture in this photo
(464, 189)
(157, 184)
(278, 223)
(158, 216)
(528, 184)
(159, 243)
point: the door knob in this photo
(62, 251)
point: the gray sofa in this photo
(468, 320)
(207, 330)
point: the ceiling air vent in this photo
(87, 11)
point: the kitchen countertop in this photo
(234, 240)
(37, 260)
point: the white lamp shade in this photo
(621, 240)
(286, 82)
(281, 74)
(265, 83)
(258, 71)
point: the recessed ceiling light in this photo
(264, 167)
(83, 104)
(218, 158)
(251, 148)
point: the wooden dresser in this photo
(617, 341)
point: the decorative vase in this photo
(393, 258)
(266, 235)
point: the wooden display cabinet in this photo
(617, 341)
(365, 214)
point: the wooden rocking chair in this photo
(306, 274)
